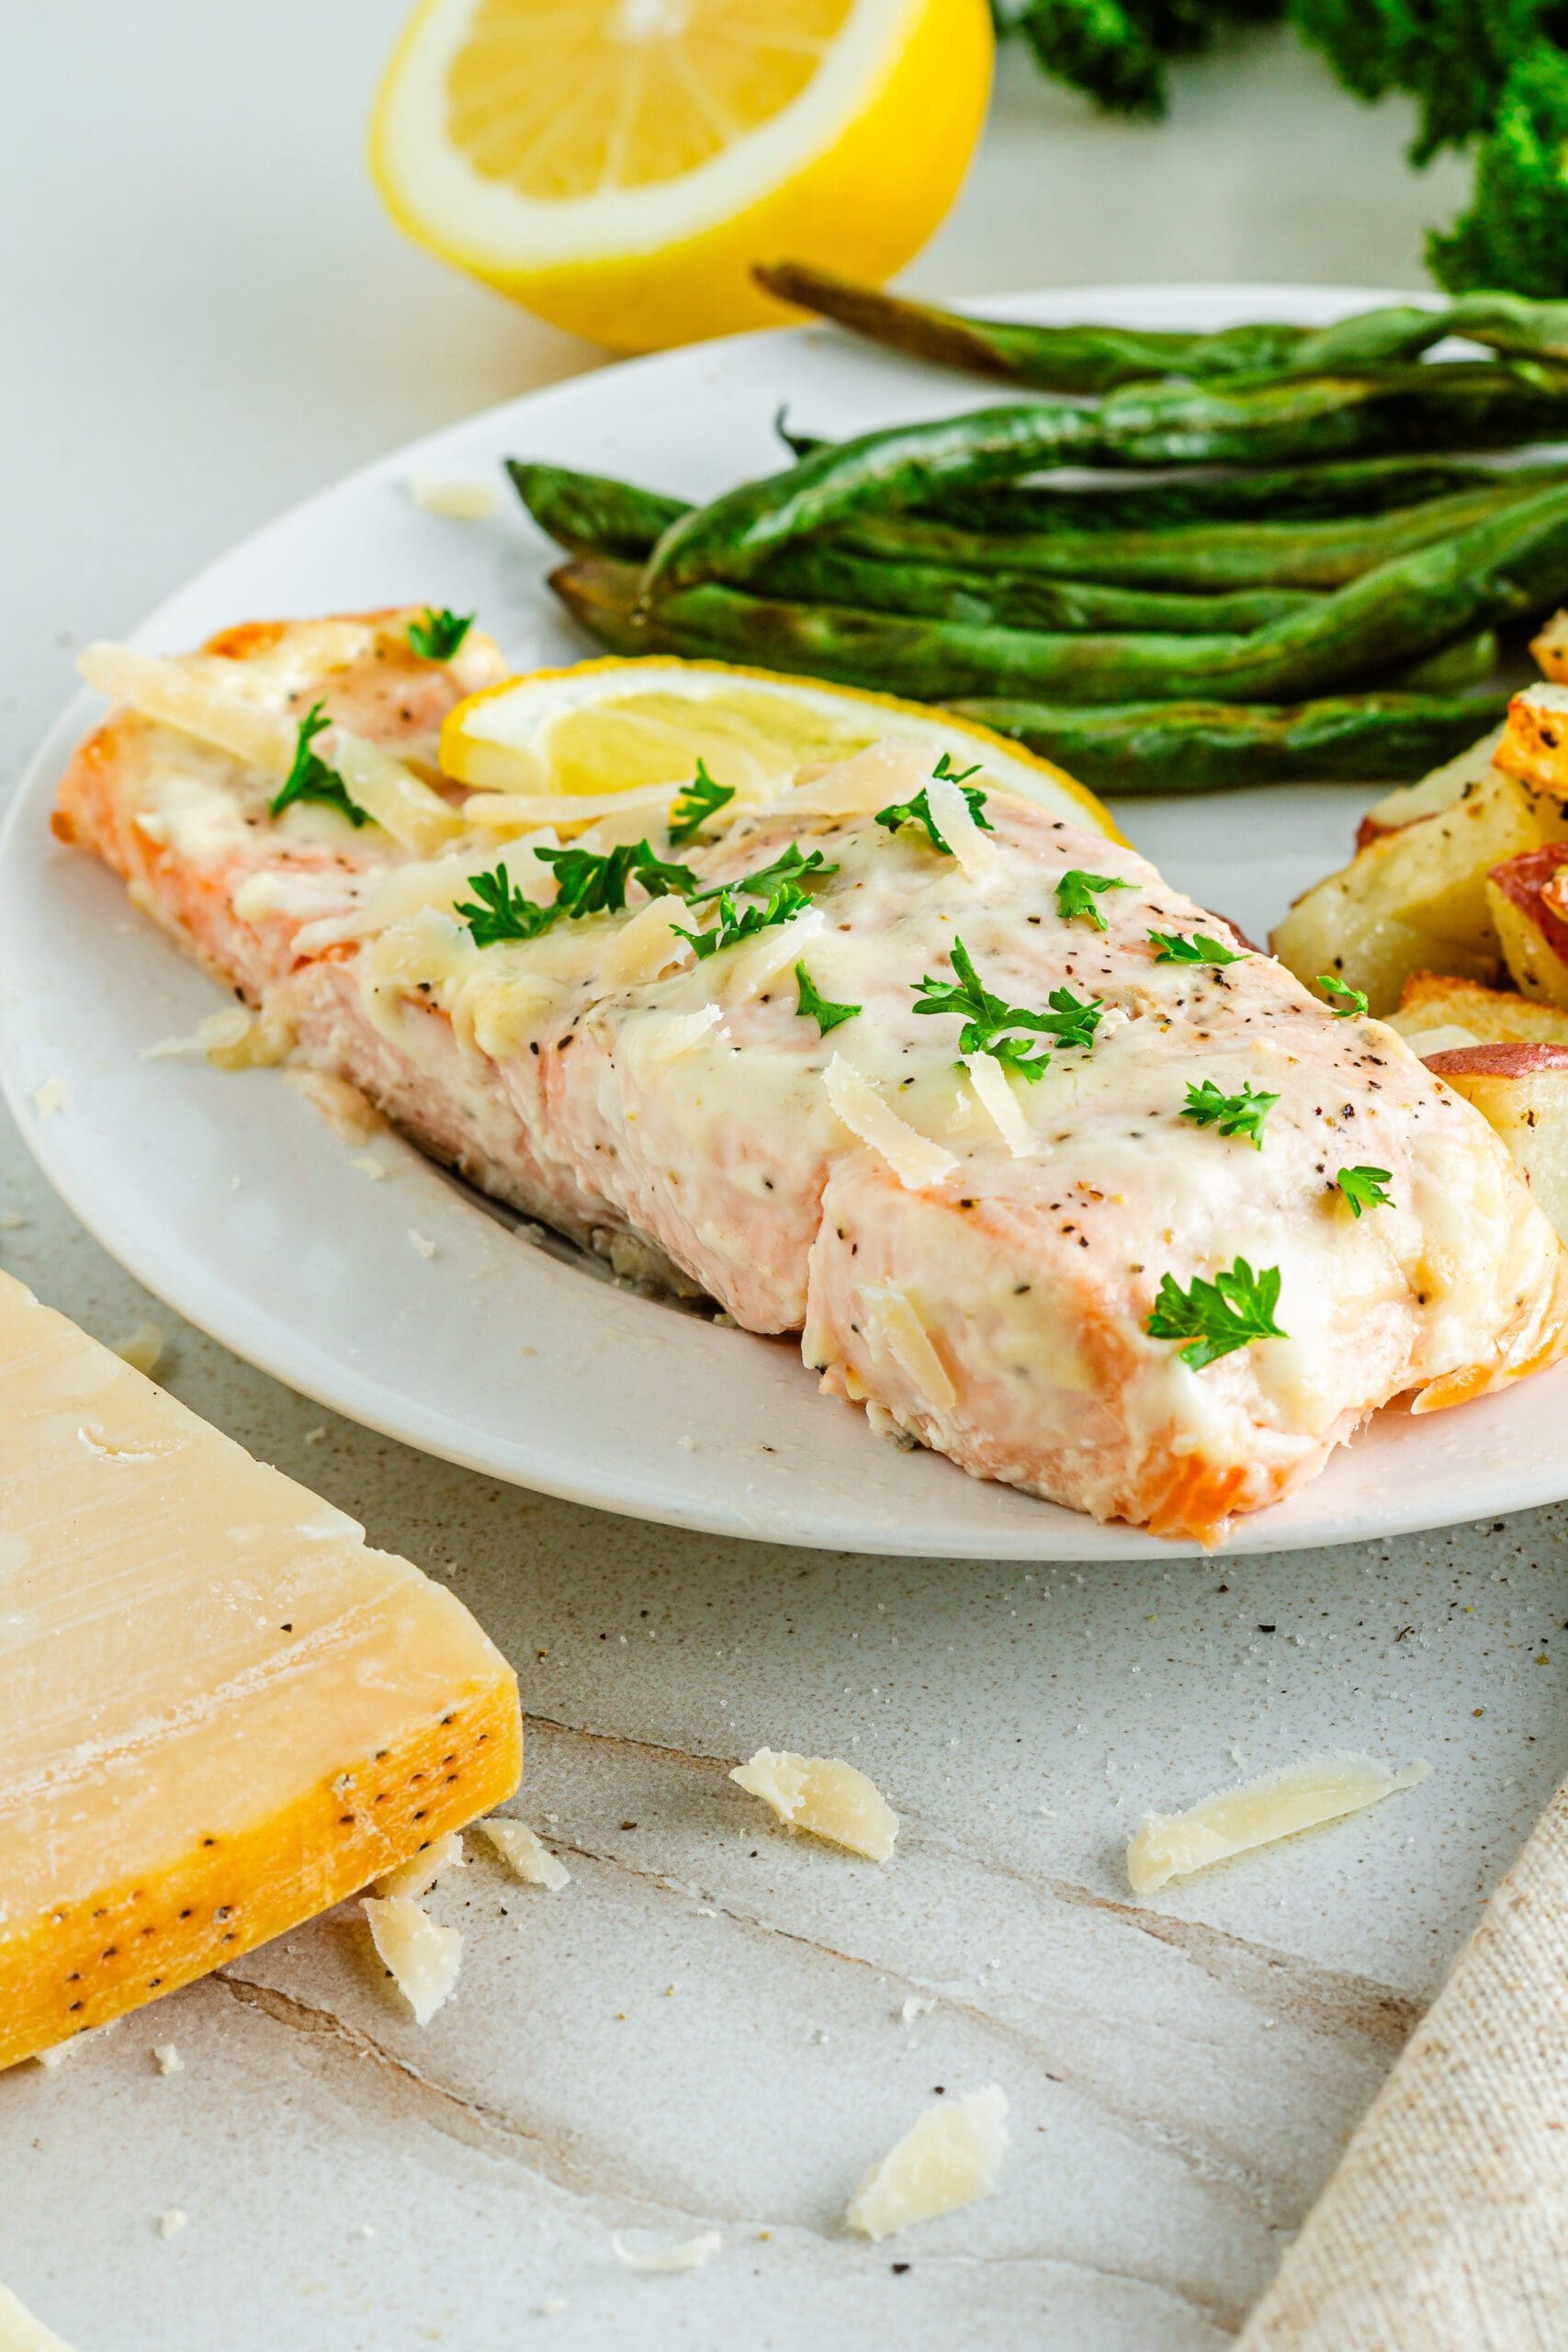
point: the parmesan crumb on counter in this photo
(950, 2156)
(460, 501)
(526, 1856)
(827, 1798)
(421, 1958)
(692, 2254)
(1258, 1812)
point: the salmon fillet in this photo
(972, 1257)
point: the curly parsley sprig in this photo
(733, 926)
(1235, 1114)
(1200, 949)
(1077, 895)
(1355, 1002)
(811, 1005)
(1218, 1316)
(437, 637)
(1363, 1188)
(502, 911)
(917, 810)
(989, 1021)
(697, 801)
(589, 882)
(309, 778)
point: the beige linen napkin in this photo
(1446, 2227)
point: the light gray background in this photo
(207, 317)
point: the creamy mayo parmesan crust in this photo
(972, 1256)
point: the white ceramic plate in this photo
(231, 1198)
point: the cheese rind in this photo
(1169, 1846)
(950, 2156)
(220, 1711)
(823, 1796)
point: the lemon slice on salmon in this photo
(639, 728)
(618, 166)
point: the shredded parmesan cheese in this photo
(821, 1794)
(913, 1157)
(230, 1039)
(691, 2254)
(951, 2155)
(647, 945)
(954, 821)
(460, 501)
(909, 1342)
(521, 812)
(994, 1090)
(422, 1958)
(524, 1855)
(419, 1873)
(168, 2059)
(171, 2224)
(421, 1243)
(53, 1097)
(1171, 1846)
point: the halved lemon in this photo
(619, 165)
(627, 725)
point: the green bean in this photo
(1361, 486)
(1459, 405)
(1098, 359)
(592, 515)
(1214, 746)
(820, 572)
(1192, 556)
(1509, 565)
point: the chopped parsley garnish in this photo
(917, 810)
(1235, 1114)
(793, 865)
(988, 1020)
(504, 913)
(697, 802)
(1076, 893)
(437, 637)
(1363, 1188)
(309, 778)
(733, 926)
(1199, 949)
(1215, 1317)
(590, 883)
(813, 1006)
(1354, 998)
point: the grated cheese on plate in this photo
(691, 2254)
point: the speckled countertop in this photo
(704, 2029)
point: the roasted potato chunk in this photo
(1528, 897)
(1416, 899)
(1410, 802)
(1432, 1003)
(1522, 1091)
(1551, 648)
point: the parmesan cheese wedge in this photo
(220, 1711)
(524, 1854)
(19, 2331)
(951, 2155)
(424, 1959)
(913, 1157)
(1171, 1846)
(827, 1798)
